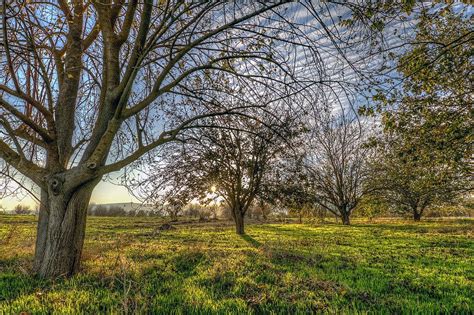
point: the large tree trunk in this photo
(238, 216)
(345, 218)
(61, 231)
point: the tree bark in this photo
(416, 216)
(345, 219)
(61, 231)
(238, 216)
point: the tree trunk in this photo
(238, 216)
(61, 231)
(416, 215)
(345, 219)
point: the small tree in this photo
(371, 206)
(261, 209)
(174, 207)
(22, 209)
(116, 211)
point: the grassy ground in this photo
(389, 267)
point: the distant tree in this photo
(193, 210)
(100, 210)
(90, 208)
(141, 213)
(203, 212)
(411, 183)
(260, 209)
(335, 162)
(229, 162)
(22, 209)
(116, 211)
(213, 210)
(289, 188)
(371, 206)
(174, 206)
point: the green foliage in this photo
(389, 267)
(370, 206)
(432, 110)
(426, 150)
(410, 183)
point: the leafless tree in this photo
(336, 162)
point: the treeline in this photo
(117, 211)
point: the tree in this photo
(22, 209)
(288, 186)
(228, 162)
(407, 182)
(426, 151)
(336, 162)
(82, 77)
(260, 209)
(174, 206)
(371, 206)
(430, 105)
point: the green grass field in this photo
(385, 267)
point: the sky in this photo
(104, 192)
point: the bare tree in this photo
(81, 77)
(336, 162)
(228, 162)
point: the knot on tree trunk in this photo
(56, 183)
(92, 165)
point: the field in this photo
(384, 267)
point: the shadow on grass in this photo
(249, 239)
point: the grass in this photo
(388, 267)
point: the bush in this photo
(204, 213)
